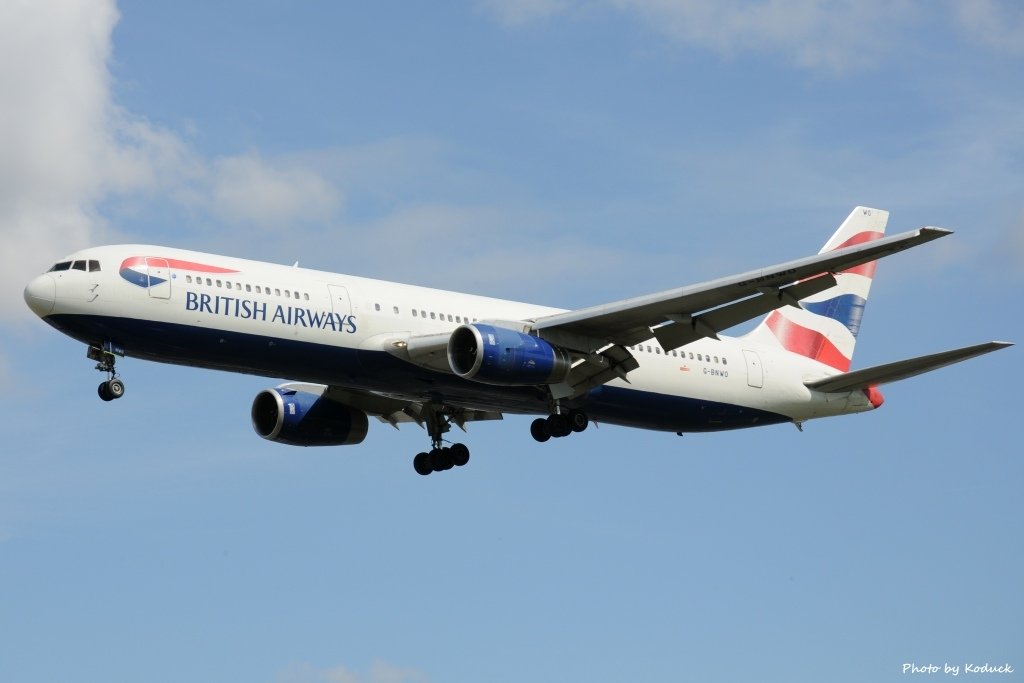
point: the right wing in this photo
(892, 372)
(679, 316)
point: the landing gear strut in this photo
(440, 457)
(106, 357)
(559, 424)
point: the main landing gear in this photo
(559, 424)
(106, 357)
(440, 457)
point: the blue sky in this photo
(561, 152)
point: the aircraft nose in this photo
(40, 294)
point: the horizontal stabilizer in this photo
(891, 372)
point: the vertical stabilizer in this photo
(825, 327)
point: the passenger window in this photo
(259, 290)
(657, 350)
(432, 316)
(414, 313)
(716, 359)
(248, 288)
(286, 294)
(458, 318)
(699, 357)
(219, 283)
(188, 279)
(423, 314)
(376, 307)
(724, 361)
(78, 265)
(277, 292)
(396, 310)
(305, 296)
(94, 266)
(228, 283)
(209, 282)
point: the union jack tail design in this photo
(825, 327)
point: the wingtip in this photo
(936, 231)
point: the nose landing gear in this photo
(105, 357)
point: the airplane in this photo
(354, 347)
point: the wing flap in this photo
(892, 372)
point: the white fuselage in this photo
(246, 316)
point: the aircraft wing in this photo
(679, 316)
(892, 372)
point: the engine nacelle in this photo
(301, 418)
(496, 355)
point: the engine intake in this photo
(496, 355)
(301, 418)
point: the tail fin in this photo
(825, 327)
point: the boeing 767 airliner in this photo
(357, 347)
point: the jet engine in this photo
(302, 418)
(496, 355)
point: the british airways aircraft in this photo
(357, 347)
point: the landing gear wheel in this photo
(559, 425)
(539, 429)
(578, 420)
(422, 464)
(115, 388)
(460, 454)
(104, 391)
(442, 459)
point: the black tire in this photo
(104, 391)
(539, 430)
(578, 420)
(460, 454)
(115, 388)
(421, 463)
(441, 458)
(558, 426)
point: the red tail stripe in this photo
(865, 269)
(799, 339)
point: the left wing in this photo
(679, 316)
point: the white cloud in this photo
(67, 147)
(247, 189)
(1000, 25)
(55, 128)
(832, 37)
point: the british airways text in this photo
(248, 309)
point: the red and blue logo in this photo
(827, 327)
(150, 271)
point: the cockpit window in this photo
(78, 265)
(63, 265)
(94, 266)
